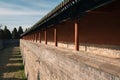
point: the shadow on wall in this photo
(8, 43)
(13, 42)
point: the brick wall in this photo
(43, 62)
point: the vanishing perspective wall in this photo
(49, 63)
(80, 48)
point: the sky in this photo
(25, 13)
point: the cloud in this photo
(12, 6)
(4, 11)
(28, 4)
(14, 9)
(26, 7)
(19, 20)
(14, 13)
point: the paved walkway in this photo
(11, 67)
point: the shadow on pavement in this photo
(11, 64)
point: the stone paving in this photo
(11, 67)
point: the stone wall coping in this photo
(109, 65)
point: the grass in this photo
(20, 73)
(11, 62)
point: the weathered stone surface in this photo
(43, 62)
(111, 51)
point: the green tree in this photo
(1, 34)
(20, 31)
(7, 33)
(15, 34)
(26, 29)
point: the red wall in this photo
(65, 32)
(100, 26)
(50, 34)
(42, 35)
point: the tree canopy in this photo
(15, 34)
(1, 34)
(20, 31)
(6, 34)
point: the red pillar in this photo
(33, 37)
(40, 37)
(30, 37)
(36, 36)
(45, 36)
(76, 36)
(55, 36)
